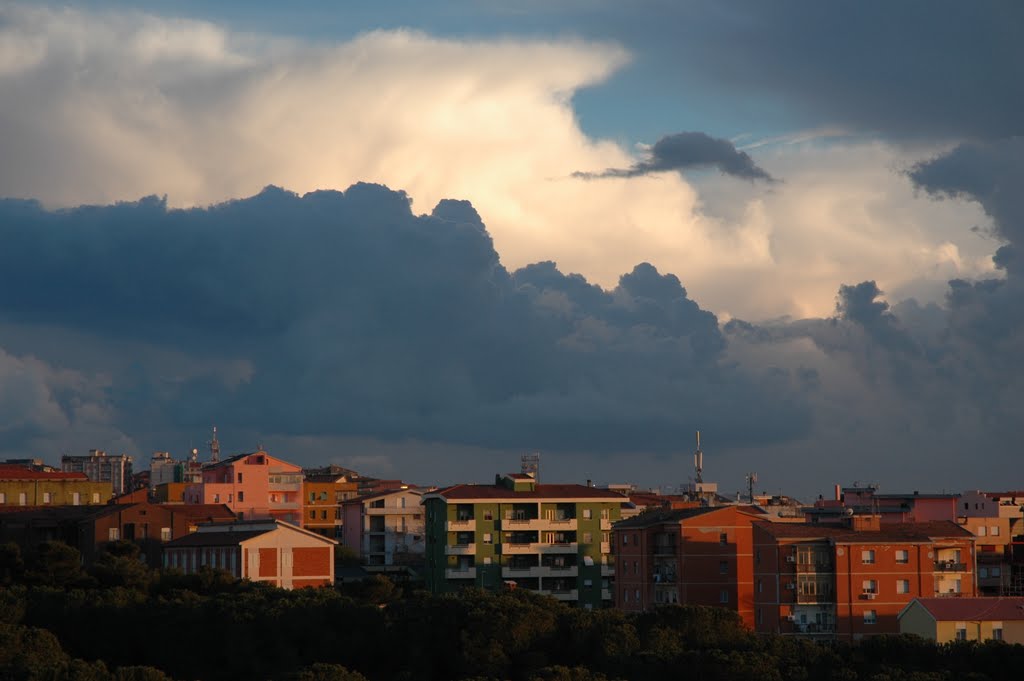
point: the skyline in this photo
(579, 229)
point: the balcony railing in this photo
(950, 566)
(460, 573)
(461, 525)
(815, 566)
(460, 550)
(815, 598)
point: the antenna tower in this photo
(214, 447)
(530, 465)
(751, 481)
(698, 462)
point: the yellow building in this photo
(964, 619)
(25, 486)
(322, 498)
(170, 492)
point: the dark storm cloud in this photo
(689, 151)
(359, 318)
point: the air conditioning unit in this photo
(791, 586)
(869, 595)
(791, 618)
(790, 559)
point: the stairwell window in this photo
(867, 556)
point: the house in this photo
(25, 485)
(387, 529)
(269, 551)
(964, 619)
(693, 556)
(253, 485)
(851, 581)
(551, 538)
(99, 467)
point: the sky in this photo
(422, 239)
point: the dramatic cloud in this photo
(689, 151)
(345, 315)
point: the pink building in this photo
(913, 507)
(254, 485)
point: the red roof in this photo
(985, 609)
(201, 511)
(9, 472)
(896, 532)
(456, 492)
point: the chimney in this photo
(590, 483)
(839, 493)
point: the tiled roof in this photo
(896, 532)
(552, 491)
(13, 472)
(382, 493)
(673, 516)
(215, 538)
(985, 609)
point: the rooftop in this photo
(16, 472)
(897, 532)
(985, 609)
(552, 491)
(676, 515)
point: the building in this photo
(694, 556)
(323, 494)
(254, 485)
(851, 581)
(387, 529)
(964, 619)
(100, 467)
(269, 551)
(994, 518)
(913, 507)
(551, 538)
(27, 486)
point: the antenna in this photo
(214, 447)
(698, 461)
(751, 481)
(530, 465)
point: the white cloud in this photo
(105, 107)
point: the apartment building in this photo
(323, 496)
(517, 533)
(891, 508)
(254, 485)
(994, 518)
(27, 486)
(387, 529)
(851, 581)
(695, 556)
(101, 467)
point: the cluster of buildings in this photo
(862, 563)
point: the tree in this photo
(12, 567)
(326, 672)
(55, 564)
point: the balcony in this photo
(815, 598)
(460, 573)
(607, 570)
(562, 594)
(539, 571)
(538, 524)
(519, 549)
(606, 524)
(467, 525)
(460, 550)
(950, 566)
(665, 549)
(606, 547)
(562, 547)
(816, 566)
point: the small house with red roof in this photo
(964, 619)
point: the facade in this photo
(994, 518)
(553, 539)
(913, 507)
(851, 581)
(387, 529)
(254, 485)
(100, 467)
(269, 551)
(323, 495)
(697, 556)
(965, 619)
(25, 486)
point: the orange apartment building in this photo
(694, 556)
(268, 551)
(254, 485)
(848, 582)
(323, 495)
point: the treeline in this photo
(122, 621)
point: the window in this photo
(312, 497)
(487, 560)
(241, 496)
(636, 595)
(723, 596)
(997, 631)
(588, 537)
(961, 631)
(239, 478)
(587, 514)
(95, 497)
(757, 556)
(870, 586)
(723, 538)
(983, 572)
(165, 534)
(636, 539)
(47, 497)
(636, 567)
(488, 515)
(323, 515)
(994, 572)
(902, 556)
(870, 617)
(216, 498)
(22, 499)
(113, 534)
(625, 595)
(982, 531)
(625, 539)
(760, 587)
(312, 515)
(994, 530)
(723, 567)
(323, 496)
(3, 498)
(867, 556)
(337, 513)
(231, 497)
(902, 586)
(488, 538)
(760, 616)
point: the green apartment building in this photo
(553, 539)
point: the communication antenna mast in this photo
(751, 481)
(214, 447)
(530, 465)
(698, 462)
